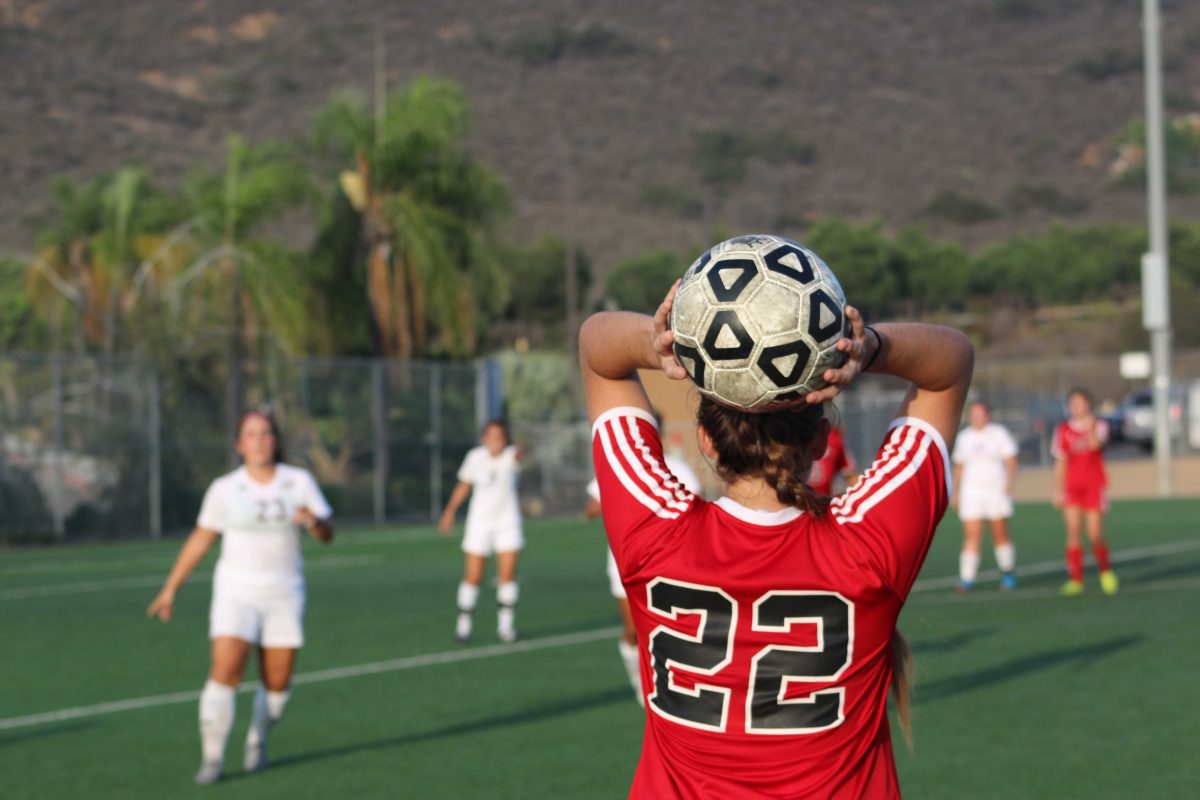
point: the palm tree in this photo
(425, 214)
(108, 240)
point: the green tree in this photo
(426, 212)
(538, 288)
(639, 283)
(932, 274)
(862, 258)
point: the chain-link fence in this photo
(118, 447)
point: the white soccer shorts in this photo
(976, 504)
(614, 577)
(269, 619)
(483, 540)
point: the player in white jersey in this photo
(985, 465)
(488, 476)
(258, 586)
(627, 644)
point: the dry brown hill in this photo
(868, 108)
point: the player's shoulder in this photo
(291, 475)
(229, 480)
(623, 421)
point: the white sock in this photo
(968, 566)
(1006, 557)
(468, 594)
(629, 656)
(217, 708)
(506, 598)
(268, 708)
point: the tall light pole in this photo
(1156, 306)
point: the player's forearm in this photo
(190, 556)
(457, 498)
(322, 531)
(1060, 473)
(615, 344)
(931, 357)
(1011, 465)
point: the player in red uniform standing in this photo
(837, 460)
(767, 619)
(1080, 489)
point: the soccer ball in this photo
(756, 320)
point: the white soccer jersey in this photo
(494, 499)
(260, 543)
(981, 453)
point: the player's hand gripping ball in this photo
(756, 322)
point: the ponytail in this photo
(774, 447)
(903, 678)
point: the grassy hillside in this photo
(624, 124)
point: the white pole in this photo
(1155, 292)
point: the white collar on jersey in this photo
(757, 516)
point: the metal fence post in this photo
(154, 434)
(379, 439)
(435, 440)
(58, 500)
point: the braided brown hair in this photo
(774, 447)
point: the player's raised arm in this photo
(614, 345)
(936, 360)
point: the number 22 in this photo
(768, 711)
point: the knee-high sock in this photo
(968, 566)
(1006, 557)
(468, 595)
(1075, 563)
(268, 708)
(506, 598)
(217, 708)
(1100, 553)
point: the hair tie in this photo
(878, 342)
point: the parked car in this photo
(1136, 414)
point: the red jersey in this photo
(765, 637)
(1084, 466)
(834, 462)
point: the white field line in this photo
(1043, 567)
(320, 676)
(146, 581)
(1175, 585)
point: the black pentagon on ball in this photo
(805, 275)
(766, 362)
(816, 301)
(727, 319)
(696, 373)
(745, 269)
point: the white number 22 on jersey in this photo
(768, 710)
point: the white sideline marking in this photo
(1043, 567)
(1176, 585)
(147, 581)
(320, 676)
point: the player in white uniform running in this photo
(985, 465)
(488, 476)
(258, 586)
(627, 644)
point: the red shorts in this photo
(1091, 497)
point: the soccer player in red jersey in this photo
(837, 460)
(1080, 489)
(767, 619)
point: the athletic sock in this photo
(1075, 563)
(506, 598)
(1100, 553)
(629, 657)
(468, 594)
(1006, 557)
(217, 708)
(968, 566)
(268, 708)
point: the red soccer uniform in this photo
(765, 636)
(835, 460)
(1085, 480)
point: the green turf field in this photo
(1021, 696)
